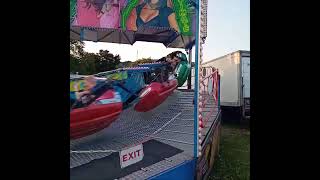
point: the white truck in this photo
(234, 70)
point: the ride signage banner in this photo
(130, 15)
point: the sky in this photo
(228, 31)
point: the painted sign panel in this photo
(133, 14)
(131, 156)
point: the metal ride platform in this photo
(171, 123)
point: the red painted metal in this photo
(95, 117)
(154, 94)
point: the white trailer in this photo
(234, 69)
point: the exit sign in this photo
(131, 156)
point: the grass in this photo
(233, 161)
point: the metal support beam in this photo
(190, 62)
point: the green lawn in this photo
(233, 162)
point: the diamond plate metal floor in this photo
(171, 123)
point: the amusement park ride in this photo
(146, 86)
(136, 123)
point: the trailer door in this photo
(246, 76)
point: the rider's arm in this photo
(78, 95)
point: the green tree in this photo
(91, 63)
(77, 48)
(142, 60)
(88, 63)
(106, 61)
(74, 64)
(76, 53)
(125, 64)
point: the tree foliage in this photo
(83, 62)
(143, 60)
(135, 63)
(76, 48)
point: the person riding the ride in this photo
(92, 87)
(173, 59)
